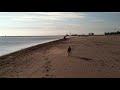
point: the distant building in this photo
(91, 34)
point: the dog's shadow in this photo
(83, 58)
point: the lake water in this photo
(12, 44)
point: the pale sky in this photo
(57, 23)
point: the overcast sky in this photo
(57, 23)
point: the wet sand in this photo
(92, 57)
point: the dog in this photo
(69, 51)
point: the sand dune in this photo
(92, 57)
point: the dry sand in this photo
(92, 57)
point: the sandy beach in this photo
(92, 57)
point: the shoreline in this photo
(10, 44)
(31, 48)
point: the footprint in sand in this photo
(102, 63)
(49, 76)
(46, 69)
(48, 62)
(46, 58)
(112, 66)
(117, 60)
(99, 70)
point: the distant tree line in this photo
(112, 33)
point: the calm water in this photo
(11, 44)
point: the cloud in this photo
(50, 16)
(97, 20)
(46, 26)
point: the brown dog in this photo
(69, 51)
